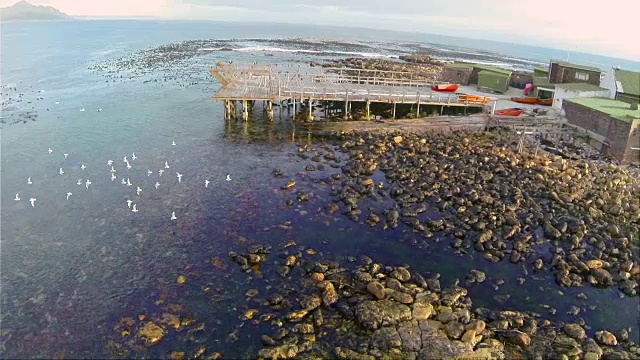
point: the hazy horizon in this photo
(495, 20)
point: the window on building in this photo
(582, 76)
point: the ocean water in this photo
(73, 266)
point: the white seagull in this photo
(206, 183)
(129, 182)
(138, 190)
(149, 172)
(82, 109)
(100, 109)
(228, 177)
(157, 184)
(68, 195)
(160, 172)
(166, 164)
(113, 169)
(109, 162)
(50, 151)
(17, 197)
(33, 202)
(129, 202)
(87, 183)
(173, 143)
(134, 208)
(61, 171)
(79, 182)
(125, 159)
(179, 177)
(113, 177)
(29, 181)
(173, 216)
(133, 156)
(128, 165)
(65, 155)
(83, 167)
(124, 182)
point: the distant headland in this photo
(23, 10)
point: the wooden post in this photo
(368, 109)
(393, 114)
(245, 110)
(269, 110)
(310, 111)
(293, 100)
(418, 108)
(346, 104)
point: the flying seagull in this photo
(33, 202)
(83, 167)
(133, 156)
(65, 155)
(61, 171)
(149, 172)
(206, 183)
(125, 159)
(160, 172)
(138, 190)
(50, 151)
(113, 169)
(128, 166)
(82, 109)
(173, 143)
(134, 208)
(87, 183)
(173, 216)
(110, 162)
(17, 197)
(68, 195)
(157, 184)
(79, 182)
(29, 181)
(228, 177)
(179, 177)
(124, 182)
(113, 177)
(129, 182)
(166, 164)
(129, 202)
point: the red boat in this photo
(526, 100)
(547, 102)
(445, 87)
(509, 112)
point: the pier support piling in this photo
(393, 114)
(245, 110)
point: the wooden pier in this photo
(296, 88)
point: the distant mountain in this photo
(22, 10)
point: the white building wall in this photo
(561, 94)
(609, 82)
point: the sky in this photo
(600, 27)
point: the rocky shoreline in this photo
(367, 310)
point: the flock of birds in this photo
(130, 203)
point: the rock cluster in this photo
(475, 190)
(373, 311)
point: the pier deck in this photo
(274, 83)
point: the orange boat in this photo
(445, 87)
(526, 100)
(546, 102)
(509, 112)
(474, 98)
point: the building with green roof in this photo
(627, 85)
(465, 73)
(616, 121)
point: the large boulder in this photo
(375, 314)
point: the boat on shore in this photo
(509, 112)
(545, 102)
(473, 98)
(526, 100)
(445, 87)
